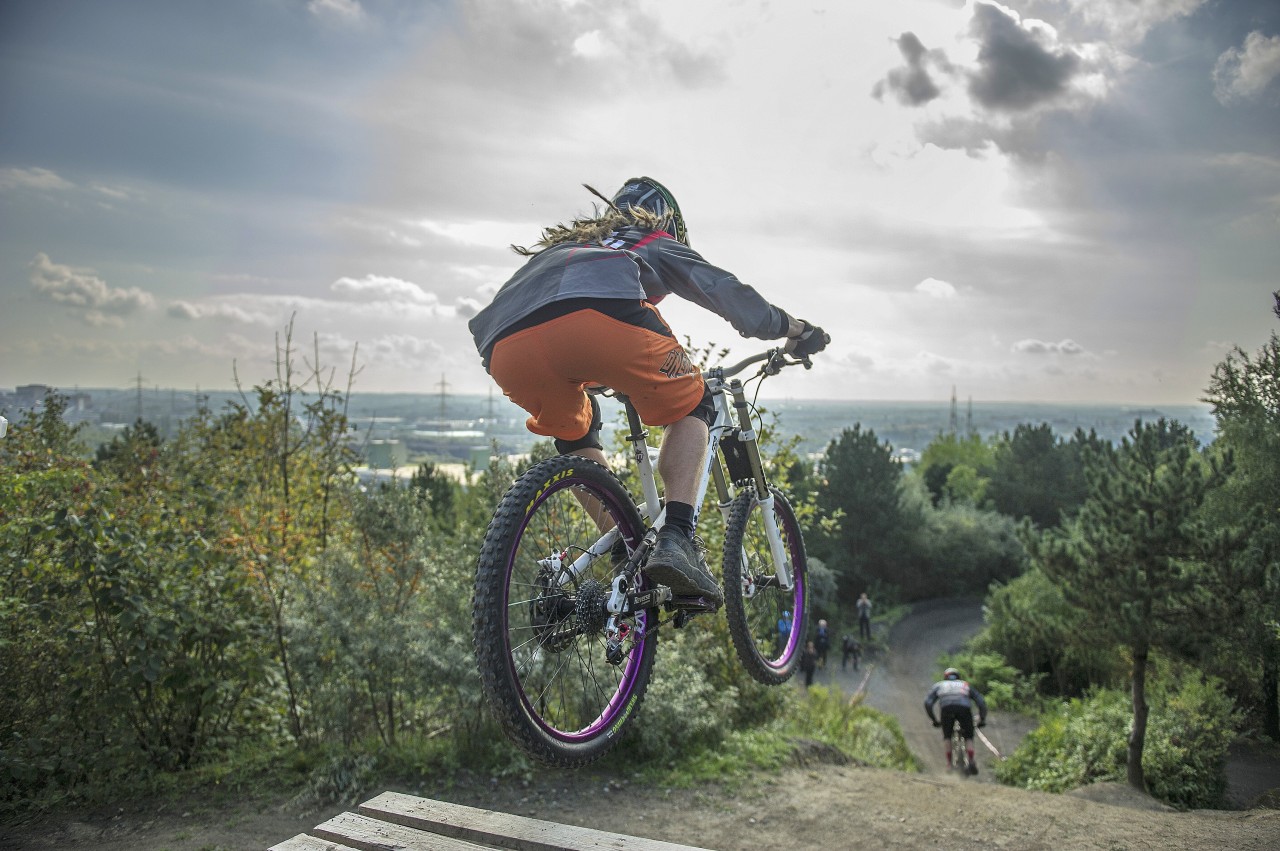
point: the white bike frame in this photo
(725, 390)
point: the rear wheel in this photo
(540, 634)
(754, 600)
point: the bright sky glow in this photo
(1041, 200)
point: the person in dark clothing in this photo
(864, 616)
(822, 642)
(852, 650)
(582, 311)
(808, 663)
(955, 699)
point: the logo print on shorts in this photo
(676, 364)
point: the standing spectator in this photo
(784, 631)
(852, 650)
(808, 663)
(823, 642)
(864, 616)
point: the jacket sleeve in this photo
(930, 699)
(683, 271)
(982, 704)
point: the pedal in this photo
(692, 605)
(650, 598)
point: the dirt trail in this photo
(812, 805)
(900, 677)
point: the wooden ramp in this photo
(395, 821)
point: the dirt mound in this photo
(821, 801)
(818, 806)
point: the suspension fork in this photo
(764, 495)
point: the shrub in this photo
(1002, 685)
(864, 734)
(684, 709)
(1084, 741)
(1077, 743)
(1186, 751)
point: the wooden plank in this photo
(503, 830)
(371, 834)
(302, 842)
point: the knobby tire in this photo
(539, 646)
(752, 605)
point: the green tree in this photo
(1030, 624)
(1136, 556)
(441, 493)
(957, 468)
(1245, 394)
(381, 638)
(861, 489)
(1037, 476)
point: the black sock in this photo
(680, 516)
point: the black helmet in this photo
(645, 193)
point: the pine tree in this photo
(1135, 557)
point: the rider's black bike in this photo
(565, 622)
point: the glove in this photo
(808, 342)
(982, 723)
(937, 723)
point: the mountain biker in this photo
(582, 311)
(955, 698)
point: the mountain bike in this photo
(565, 622)
(959, 754)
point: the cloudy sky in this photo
(1052, 200)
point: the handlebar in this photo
(776, 360)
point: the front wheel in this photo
(561, 693)
(755, 602)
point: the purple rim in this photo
(626, 684)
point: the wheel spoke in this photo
(547, 655)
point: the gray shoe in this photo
(675, 563)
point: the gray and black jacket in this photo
(633, 264)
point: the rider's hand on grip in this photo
(937, 723)
(809, 341)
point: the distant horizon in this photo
(961, 401)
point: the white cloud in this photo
(217, 310)
(1128, 22)
(478, 233)
(337, 11)
(591, 45)
(935, 288)
(112, 192)
(31, 178)
(84, 292)
(1244, 72)
(383, 288)
(1040, 347)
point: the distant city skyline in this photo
(1032, 200)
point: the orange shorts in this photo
(545, 370)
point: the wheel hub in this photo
(591, 610)
(549, 613)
